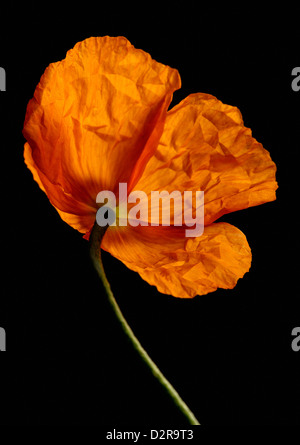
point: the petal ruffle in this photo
(96, 118)
(205, 146)
(179, 266)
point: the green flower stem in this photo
(95, 252)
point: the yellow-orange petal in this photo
(179, 266)
(96, 117)
(77, 214)
(205, 146)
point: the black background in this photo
(227, 353)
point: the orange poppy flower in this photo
(100, 117)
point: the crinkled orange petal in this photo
(78, 215)
(180, 266)
(95, 120)
(205, 146)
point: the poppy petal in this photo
(77, 214)
(96, 118)
(180, 266)
(205, 146)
